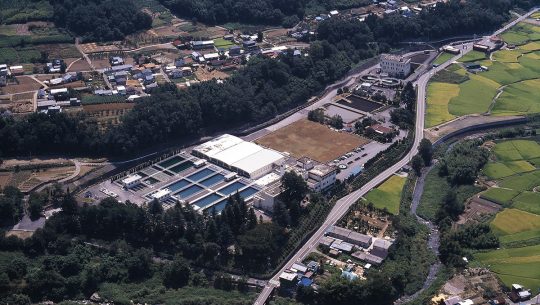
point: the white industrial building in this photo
(246, 158)
(131, 181)
(317, 175)
(162, 195)
(395, 65)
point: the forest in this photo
(100, 20)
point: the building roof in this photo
(381, 129)
(370, 258)
(343, 246)
(61, 90)
(217, 145)
(161, 193)
(382, 243)
(202, 42)
(366, 239)
(452, 300)
(131, 178)
(305, 281)
(339, 231)
(288, 276)
(299, 267)
(392, 57)
(237, 152)
(258, 160)
(326, 241)
(322, 170)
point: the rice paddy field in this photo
(518, 225)
(472, 56)
(388, 194)
(516, 72)
(442, 58)
(516, 265)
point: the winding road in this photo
(342, 205)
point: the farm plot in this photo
(500, 195)
(528, 201)
(472, 56)
(521, 33)
(107, 114)
(387, 195)
(438, 96)
(316, 141)
(25, 84)
(512, 221)
(519, 98)
(442, 58)
(516, 265)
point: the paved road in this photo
(342, 205)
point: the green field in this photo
(21, 11)
(518, 70)
(472, 56)
(528, 201)
(515, 265)
(512, 221)
(517, 150)
(439, 95)
(518, 98)
(521, 34)
(222, 43)
(500, 195)
(475, 96)
(388, 194)
(442, 58)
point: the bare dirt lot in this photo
(107, 114)
(477, 210)
(95, 48)
(79, 65)
(316, 141)
(25, 84)
(203, 74)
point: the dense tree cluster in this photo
(100, 20)
(248, 11)
(11, 206)
(462, 163)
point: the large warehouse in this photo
(246, 158)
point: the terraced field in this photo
(518, 225)
(514, 71)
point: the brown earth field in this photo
(313, 140)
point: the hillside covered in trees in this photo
(100, 20)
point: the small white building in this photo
(199, 163)
(162, 195)
(266, 199)
(131, 181)
(395, 65)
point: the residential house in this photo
(249, 45)
(202, 44)
(234, 51)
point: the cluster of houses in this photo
(53, 100)
(6, 72)
(298, 275)
(54, 66)
(363, 247)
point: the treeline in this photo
(247, 11)
(460, 166)
(100, 20)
